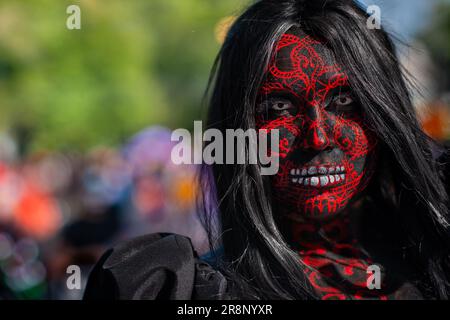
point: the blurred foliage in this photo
(132, 64)
(437, 39)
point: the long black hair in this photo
(257, 258)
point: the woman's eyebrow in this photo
(339, 90)
(273, 86)
(335, 91)
(284, 92)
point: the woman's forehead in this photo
(305, 67)
(296, 47)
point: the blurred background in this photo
(86, 117)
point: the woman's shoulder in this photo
(154, 266)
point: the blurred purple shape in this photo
(151, 146)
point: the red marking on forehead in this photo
(298, 67)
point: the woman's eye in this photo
(280, 105)
(343, 100)
(343, 103)
(275, 105)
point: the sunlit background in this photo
(86, 117)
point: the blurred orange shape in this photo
(37, 214)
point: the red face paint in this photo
(326, 151)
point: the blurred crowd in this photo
(62, 209)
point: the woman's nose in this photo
(315, 130)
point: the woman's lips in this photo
(318, 176)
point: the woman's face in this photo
(326, 151)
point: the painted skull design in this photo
(326, 151)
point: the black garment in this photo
(155, 266)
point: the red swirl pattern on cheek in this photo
(340, 140)
(353, 138)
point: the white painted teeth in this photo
(324, 180)
(312, 170)
(318, 176)
(340, 169)
(316, 181)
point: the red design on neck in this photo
(338, 267)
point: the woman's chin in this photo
(321, 207)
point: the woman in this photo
(359, 188)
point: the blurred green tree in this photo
(132, 64)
